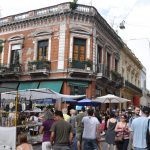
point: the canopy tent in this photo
(69, 100)
(87, 102)
(37, 94)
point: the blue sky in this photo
(135, 13)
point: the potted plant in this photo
(88, 64)
(73, 5)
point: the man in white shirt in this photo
(139, 127)
(89, 132)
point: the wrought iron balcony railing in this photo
(117, 79)
(84, 65)
(10, 69)
(103, 71)
(39, 65)
(132, 86)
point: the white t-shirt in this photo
(34, 120)
(90, 124)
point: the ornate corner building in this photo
(69, 51)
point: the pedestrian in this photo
(73, 123)
(139, 128)
(79, 128)
(136, 115)
(90, 130)
(34, 120)
(122, 130)
(23, 143)
(65, 115)
(100, 129)
(61, 133)
(110, 133)
(45, 129)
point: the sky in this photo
(134, 13)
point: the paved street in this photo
(39, 147)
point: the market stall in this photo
(19, 107)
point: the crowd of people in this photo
(84, 129)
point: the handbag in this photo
(120, 137)
(148, 136)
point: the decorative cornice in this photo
(52, 14)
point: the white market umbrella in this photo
(110, 98)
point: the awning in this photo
(6, 87)
(28, 85)
(37, 94)
(53, 85)
(81, 83)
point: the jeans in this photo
(90, 144)
(60, 147)
(135, 148)
(123, 145)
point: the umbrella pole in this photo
(120, 106)
(110, 106)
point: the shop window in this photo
(16, 54)
(79, 49)
(77, 90)
(42, 52)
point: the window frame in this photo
(76, 42)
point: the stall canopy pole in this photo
(16, 113)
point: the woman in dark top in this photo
(110, 133)
(45, 129)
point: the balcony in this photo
(10, 70)
(80, 68)
(39, 67)
(132, 86)
(116, 79)
(102, 71)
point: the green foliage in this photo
(88, 63)
(73, 5)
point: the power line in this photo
(131, 9)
